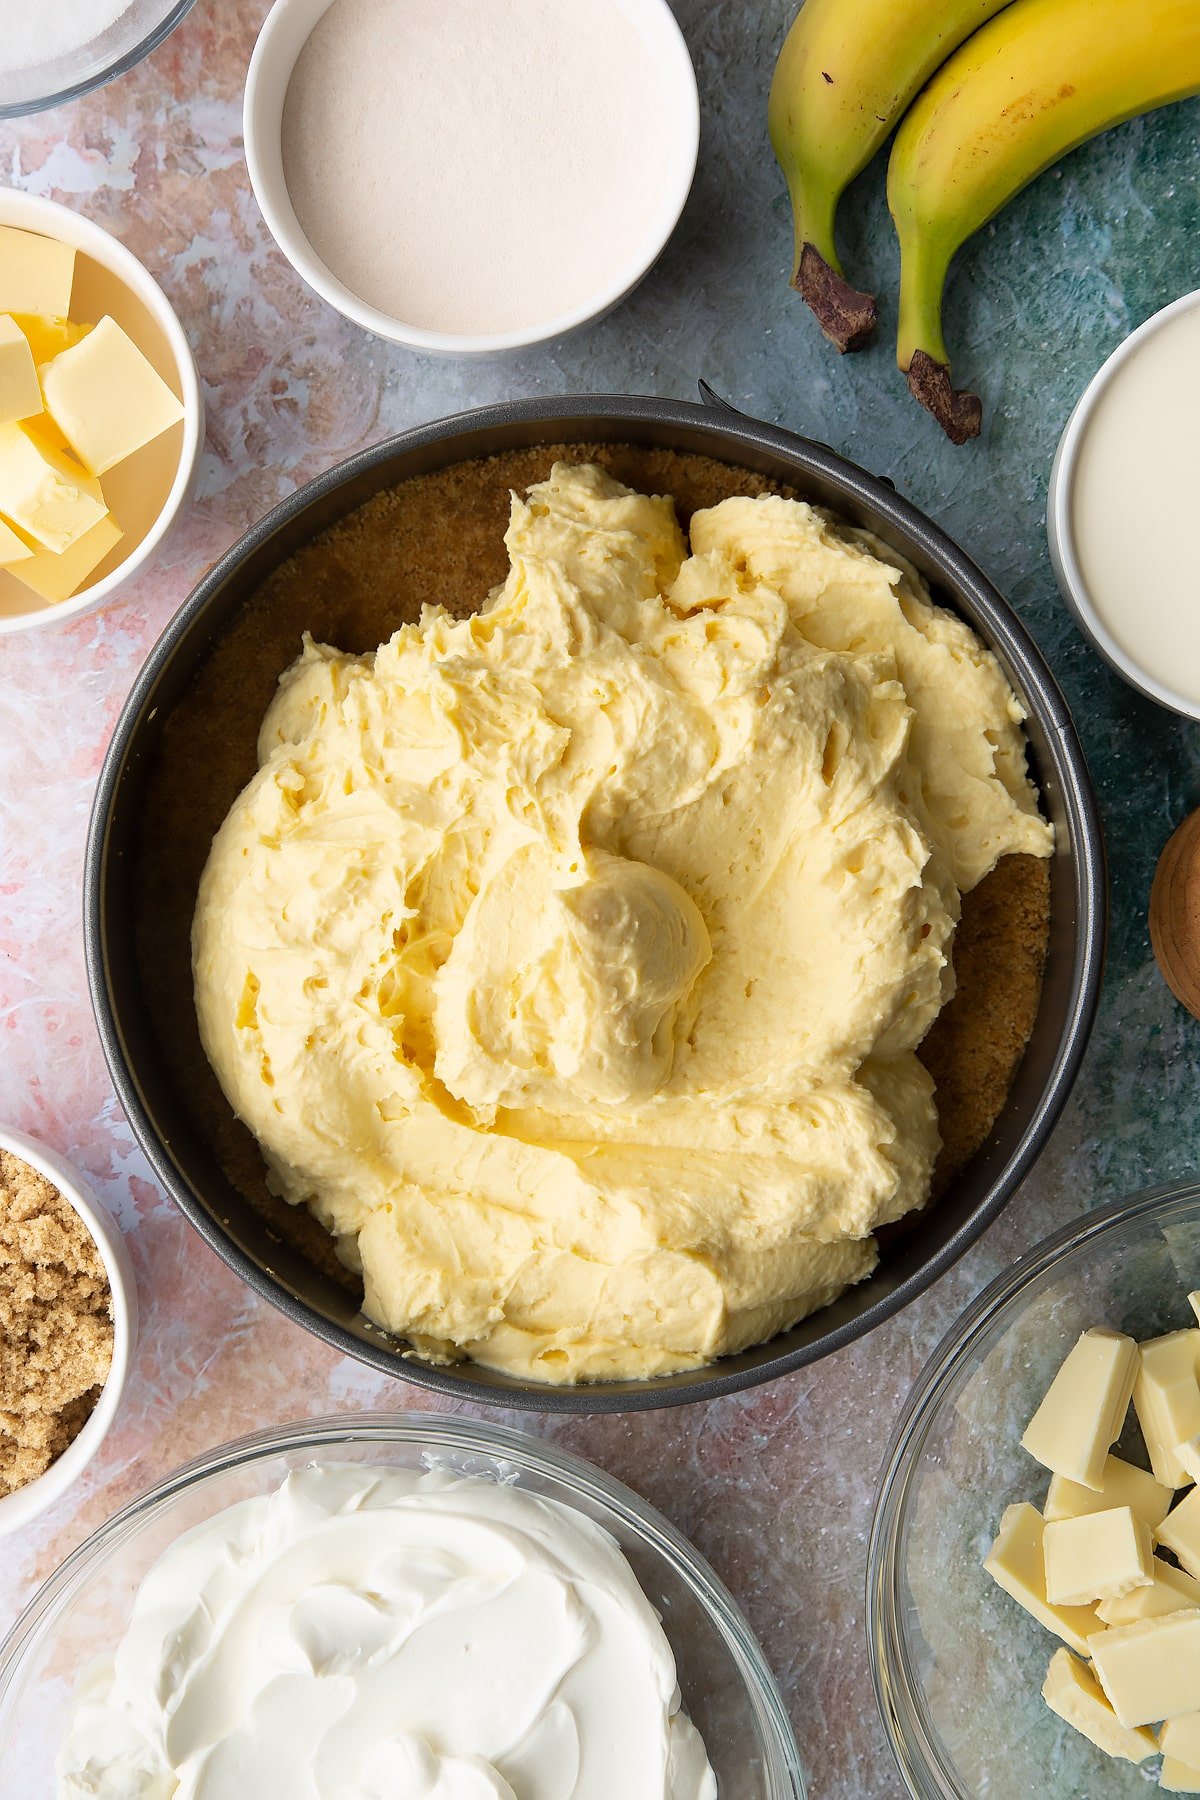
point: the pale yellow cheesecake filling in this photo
(570, 960)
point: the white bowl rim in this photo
(270, 190)
(502, 1445)
(53, 220)
(1060, 533)
(27, 1503)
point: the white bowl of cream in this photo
(1122, 495)
(469, 177)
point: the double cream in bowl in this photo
(390, 1605)
(1123, 478)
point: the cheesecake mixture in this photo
(570, 960)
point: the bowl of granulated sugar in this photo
(55, 50)
(68, 1324)
(470, 177)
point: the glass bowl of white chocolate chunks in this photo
(1034, 1566)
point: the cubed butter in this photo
(20, 395)
(1099, 1556)
(44, 493)
(1072, 1691)
(12, 548)
(1084, 1408)
(1180, 1738)
(1166, 1397)
(1150, 1670)
(1180, 1532)
(1017, 1563)
(36, 273)
(58, 576)
(1171, 1590)
(1122, 1484)
(106, 398)
(48, 338)
(1177, 1778)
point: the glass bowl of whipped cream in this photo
(959, 1663)
(390, 1606)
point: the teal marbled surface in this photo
(775, 1486)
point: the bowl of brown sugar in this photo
(68, 1324)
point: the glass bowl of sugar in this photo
(54, 51)
(469, 177)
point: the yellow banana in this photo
(1041, 78)
(847, 70)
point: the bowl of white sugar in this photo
(54, 50)
(469, 177)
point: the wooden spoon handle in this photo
(1175, 913)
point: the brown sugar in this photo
(56, 1324)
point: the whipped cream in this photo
(385, 1634)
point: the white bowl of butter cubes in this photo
(1034, 1567)
(101, 415)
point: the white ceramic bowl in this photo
(28, 1502)
(1064, 554)
(149, 490)
(288, 27)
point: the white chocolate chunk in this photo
(1180, 1532)
(1171, 1590)
(57, 576)
(43, 492)
(107, 399)
(12, 548)
(20, 395)
(1166, 1397)
(1016, 1562)
(1187, 1455)
(1099, 1556)
(1072, 1691)
(1084, 1408)
(1150, 1670)
(1194, 1302)
(1180, 1738)
(36, 273)
(1177, 1778)
(1122, 1484)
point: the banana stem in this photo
(844, 313)
(814, 211)
(920, 347)
(923, 269)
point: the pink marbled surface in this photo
(774, 1486)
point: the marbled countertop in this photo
(780, 1499)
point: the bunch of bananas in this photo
(989, 93)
